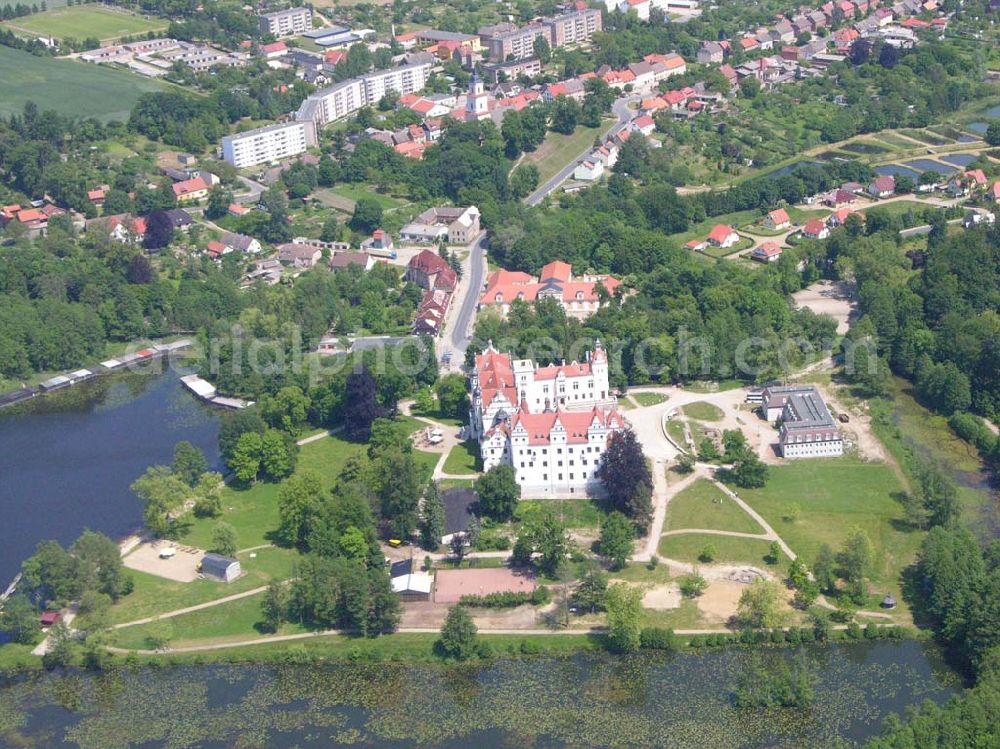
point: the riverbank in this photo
(582, 699)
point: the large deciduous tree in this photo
(626, 478)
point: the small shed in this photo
(888, 602)
(220, 567)
(413, 587)
(48, 618)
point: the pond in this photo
(928, 165)
(792, 167)
(592, 700)
(993, 111)
(978, 127)
(960, 159)
(896, 170)
(69, 457)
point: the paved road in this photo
(458, 333)
(253, 196)
(622, 113)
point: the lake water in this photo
(960, 159)
(68, 458)
(587, 700)
(928, 165)
(896, 170)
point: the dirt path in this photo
(189, 609)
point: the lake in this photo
(590, 700)
(69, 457)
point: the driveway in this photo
(462, 312)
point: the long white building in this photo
(551, 424)
(286, 22)
(344, 98)
(267, 144)
(806, 427)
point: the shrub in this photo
(658, 638)
(777, 636)
(807, 635)
(508, 599)
(707, 553)
(692, 585)
(854, 630)
(530, 647)
(698, 641)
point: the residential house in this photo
(430, 271)
(766, 252)
(839, 217)
(342, 260)
(190, 190)
(241, 243)
(588, 170)
(815, 229)
(838, 198)
(97, 195)
(431, 313)
(994, 192)
(445, 223)
(723, 236)
(299, 256)
(644, 124)
(710, 53)
(882, 187)
(180, 218)
(777, 220)
(579, 296)
(379, 243)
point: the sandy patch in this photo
(182, 567)
(662, 597)
(719, 601)
(829, 298)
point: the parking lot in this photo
(181, 567)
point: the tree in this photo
(459, 547)
(360, 408)
(624, 606)
(498, 492)
(523, 180)
(277, 454)
(245, 462)
(550, 542)
(219, 200)
(224, 539)
(62, 647)
(749, 87)
(856, 557)
(749, 472)
(19, 620)
(684, 464)
(274, 608)
(824, 569)
(459, 638)
(542, 50)
(626, 477)
(331, 229)
(453, 398)
(278, 228)
(774, 553)
(189, 463)
(590, 591)
(367, 216)
(208, 495)
(432, 518)
(161, 493)
(565, 113)
(692, 585)
(299, 500)
(993, 133)
(707, 553)
(98, 565)
(707, 450)
(760, 605)
(159, 231)
(617, 536)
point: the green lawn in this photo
(703, 411)
(704, 505)
(356, 192)
(728, 549)
(85, 21)
(576, 513)
(557, 150)
(463, 459)
(649, 399)
(69, 87)
(153, 594)
(685, 616)
(835, 495)
(675, 429)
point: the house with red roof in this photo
(190, 190)
(815, 229)
(723, 236)
(777, 220)
(994, 192)
(766, 252)
(839, 217)
(882, 187)
(550, 423)
(644, 124)
(840, 197)
(579, 296)
(97, 195)
(430, 271)
(273, 50)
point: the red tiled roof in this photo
(576, 423)
(273, 47)
(779, 216)
(720, 232)
(814, 227)
(189, 186)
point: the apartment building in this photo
(286, 22)
(267, 144)
(341, 99)
(516, 44)
(806, 427)
(575, 27)
(507, 42)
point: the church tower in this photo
(477, 102)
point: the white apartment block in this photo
(344, 98)
(267, 144)
(286, 22)
(551, 424)
(806, 428)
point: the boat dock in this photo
(67, 379)
(205, 390)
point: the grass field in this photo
(83, 21)
(68, 87)
(675, 429)
(728, 549)
(575, 513)
(704, 505)
(703, 411)
(557, 150)
(649, 399)
(834, 496)
(463, 459)
(343, 197)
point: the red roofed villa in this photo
(580, 297)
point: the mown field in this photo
(68, 87)
(81, 22)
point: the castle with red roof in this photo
(551, 423)
(579, 296)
